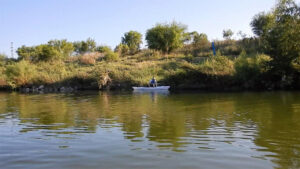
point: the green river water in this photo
(150, 130)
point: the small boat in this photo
(158, 88)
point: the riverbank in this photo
(183, 60)
(181, 72)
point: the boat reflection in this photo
(152, 93)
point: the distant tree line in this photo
(277, 34)
(162, 37)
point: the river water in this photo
(150, 130)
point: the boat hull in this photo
(159, 88)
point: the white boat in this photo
(158, 88)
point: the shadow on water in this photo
(255, 122)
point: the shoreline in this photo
(70, 89)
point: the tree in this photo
(133, 40)
(46, 53)
(262, 22)
(201, 40)
(64, 48)
(198, 41)
(282, 40)
(26, 53)
(196, 38)
(227, 34)
(166, 37)
(82, 47)
(54, 50)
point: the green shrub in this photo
(148, 55)
(54, 72)
(122, 49)
(81, 47)
(2, 57)
(217, 65)
(166, 37)
(103, 49)
(2, 71)
(20, 73)
(250, 67)
(111, 56)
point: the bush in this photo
(166, 37)
(148, 55)
(2, 57)
(111, 56)
(90, 58)
(54, 50)
(217, 65)
(20, 73)
(2, 71)
(122, 49)
(103, 49)
(27, 53)
(54, 72)
(63, 47)
(82, 47)
(249, 68)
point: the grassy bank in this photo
(269, 60)
(179, 70)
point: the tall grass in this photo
(218, 65)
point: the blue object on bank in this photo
(213, 48)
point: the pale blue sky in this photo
(32, 22)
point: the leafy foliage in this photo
(3, 58)
(20, 73)
(82, 47)
(282, 39)
(122, 49)
(218, 65)
(64, 48)
(111, 56)
(103, 49)
(262, 23)
(271, 59)
(166, 37)
(133, 40)
(250, 67)
(54, 50)
(227, 34)
(26, 53)
(46, 53)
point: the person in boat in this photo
(153, 82)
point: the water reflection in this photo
(257, 125)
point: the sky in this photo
(33, 22)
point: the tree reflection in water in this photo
(265, 122)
